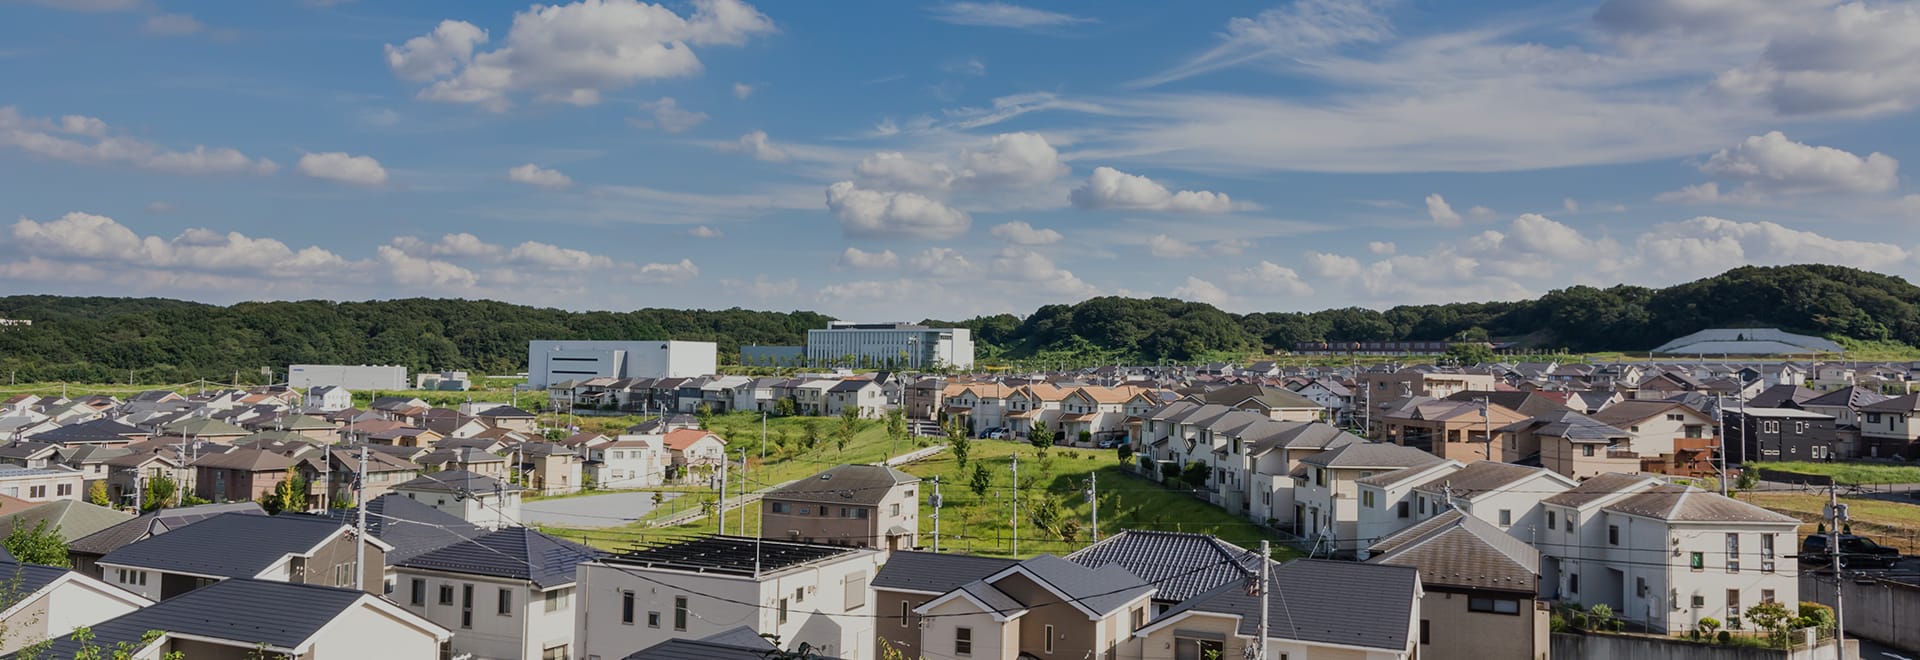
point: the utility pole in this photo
(743, 491)
(360, 535)
(1836, 516)
(1093, 501)
(1486, 414)
(1016, 504)
(937, 500)
(721, 508)
(139, 491)
(763, 437)
(1720, 417)
(1266, 565)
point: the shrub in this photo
(1557, 623)
(1816, 614)
(1724, 637)
(1708, 625)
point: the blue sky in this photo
(894, 160)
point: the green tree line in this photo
(162, 341)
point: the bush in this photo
(1169, 473)
(1724, 637)
(1557, 623)
(1708, 625)
(1816, 614)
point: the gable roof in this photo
(848, 484)
(1855, 397)
(232, 545)
(412, 528)
(73, 518)
(277, 615)
(249, 460)
(513, 552)
(1097, 591)
(458, 482)
(1600, 487)
(1675, 503)
(927, 572)
(1458, 550)
(1571, 426)
(1371, 455)
(1319, 601)
(1181, 564)
(99, 430)
(681, 439)
(1782, 395)
(1485, 476)
(1633, 411)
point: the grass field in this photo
(1891, 523)
(982, 524)
(1851, 473)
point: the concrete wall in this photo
(1455, 632)
(1881, 610)
(1624, 647)
(352, 377)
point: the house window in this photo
(856, 591)
(63, 490)
(1733, 602)
(1493, 605)
(1506, 517)
(1873, 418)
(906, 609)
(1426, 632)
(418, 594)
(1320, 476)
(1139, 618)
(653, 619)
(779, 507)
(894, 509)
(36, 491)
(680, 613)
(1766, 595)
(783, 612)
(1423, 506)
(1697, 560)
(1366, 498)
(1573, 583)
(1587, 450)
(446, 594)
(466, 606)
(1405, 509)
(1733, 553)
(1049, 641)
(626, 608)
(556, 600)
(1613, 535)
(1552, 519)
(1699, 601)
(963, 641)
(506, 602)
(554, 653)
(1198, 649)
(1766, 545)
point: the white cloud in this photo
(1480, 213)
(1699, 193)
(412, 271)
(159, 207)
(867, 291)
(1333, 266)
(343, 168)
(534, 175)
(1271, 278)
(1199, 290)
(1032, 269)
(87, 140)
(171, 25)
(1001, 14)
(547, 255)
(756, 144)
(1570, 204)
(1853, 59)
(892, 169)
(668, 116)
(1776, 164)
(1441, 212)
(704, 231)
(1910, 205)
(99, 239)
(1021, 233)
(1705, 245)
(1007, 160)
(1162, 245)
(572, 53)
(742, 91)
(1109, 188)
(858, 259)
(458, 245)
(865, 212)
(664, 273)
(942, 262)
(1381, 247)
(1294, 29)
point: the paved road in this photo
(1871, 650)
(609, 510)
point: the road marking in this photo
(1895, 657)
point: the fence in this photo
(1610, 646)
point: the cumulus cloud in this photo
(343, 168)
(1021, 233)
(572, 53)
(1002, 15)
(1382, 247)
(867, 291)
(864, 212)
(1199, 290)
(664, 273)
(1270, 278)
(460, 245)
(742, 91)
(1441, 212)
(1705, 245)
(88, 140)
(1852, 59)
(757, 145)
(895, 170)
(1109, 188)
(535, 175)
(101, 245)
(668, 116)
(704, 231)
(1771, 165)
(547, 255)
(1006, 160)
(858, 259)
(1028, 268)
(942, 262)
(1162, 245)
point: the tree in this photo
(785, 407)
(1771, 617)
(849, 425)
(1046, 513)
(980, 481)
(959, 444)
(1469, 353)
(160, 493)
(1040, 437)
(896, 429)
(1126, 452)
(811, 434)
(1196, 474)
(1069, 530)
(97, 494)
(37, 545)
(705, 414)
(290, 495)
(1708, 625)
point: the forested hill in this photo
(101, 339)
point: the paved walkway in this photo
(609, 510)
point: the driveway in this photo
(609, 510)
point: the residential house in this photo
(468, 459)
(908, 580)
(1362, 611)
(1451, 429)
(1480, 586)
(294, 548)
(1576, 445)
(102, 431)
(1387, 502)
(383, 471)
(128, 473)
(632, 461)
(507, 594)
(1844, 405)
(1035, 403)
(1504, 495)
(1673, 555)
(1378, 386)
(1331, 395)
(509, 418)
(1778, 434)
(925, 398)
(800, 592)
(240, 474)
(1277, 403)
(864, 397)
(1180, 565)
(1327, 497)
(85, 552)
(810, 396)
(1658, 427)
(550, 469)
(69, 519)
(204, 429)
(1094, 414)
(475, 498)
(858, 505)
(1041, 607)
(402, 436)
(979, 406)
(694, 448)
(1888, 428)
(1274, 451)
(303, 621)
(46, 602)
(30, 454)
(57, 482)
(328, 398)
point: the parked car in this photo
(1855, 552)
(1110, 443)
(995, 433)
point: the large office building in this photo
(550, 362)
(901, 345)
(352, 377)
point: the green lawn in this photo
(1851, 473)
(982, 524)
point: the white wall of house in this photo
(991, 639)
(67, 603)
(526, 630)
(139, 581)
(1660, 555)
(365, 631)
(1655, 436)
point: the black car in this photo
(1855, 552)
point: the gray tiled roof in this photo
(1571, 426)
(459, 482)
(1182, 565)
(1600, 487)
(231, 545)
(514, 552)
(243, 611)
(1455, 549)
(1480, 477)
(99, 430)
(1852, 397)
(1689, 504)
(845, 484)
(1329, 602)
(1102, 589)
(1371, 455)
(410, 527)
(934, 573)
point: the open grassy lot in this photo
(1851, 473)
(982, 522)
(1891, 523)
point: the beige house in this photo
(1044, 607)
(859, 505)
(1480, 588)
(1376, 386)
(46, 484)
(1375, 615)
(1575, 445)
(1656, 426)
(48, 601)
(1464, 431)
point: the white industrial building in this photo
(550, 362)
(901, 345)
(352, 377)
